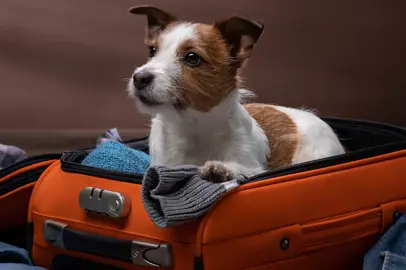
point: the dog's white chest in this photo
(236, 140)
(193, 147)
(171, 150)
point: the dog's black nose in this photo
(142, 79)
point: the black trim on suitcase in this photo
(323, 163)
(140, 143)
(21, 180)
(377, 139)
(28, 162)
(71, 162)
(97, 245)
(391, 139)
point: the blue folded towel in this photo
(115, 156)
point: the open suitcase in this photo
(323, 214)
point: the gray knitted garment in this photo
(173, 196)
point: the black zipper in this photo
(21, 180)
(27, 162)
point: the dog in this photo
(191, 86)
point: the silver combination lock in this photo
(110, 203)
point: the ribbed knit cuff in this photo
(177, 195)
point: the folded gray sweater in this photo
(177, 195)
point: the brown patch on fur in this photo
(241, 35)
(224, 46)
(280, 130)
(152, 34)
(158, 20)
(205, 86)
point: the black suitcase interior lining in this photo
(362, 139)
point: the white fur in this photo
(165, 65)
(316, 139)
(227, 133)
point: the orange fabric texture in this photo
(14, 205)
(329, 217)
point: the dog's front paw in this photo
(216, 172)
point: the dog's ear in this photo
(241, 35)
(158, 19)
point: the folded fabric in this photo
(389, 253)
(10, 154)
(115, 156)
(173, 196)
(15, 258)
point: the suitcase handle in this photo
(136, 252)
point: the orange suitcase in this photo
(323, 214)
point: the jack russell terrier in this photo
(192, 89)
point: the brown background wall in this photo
(63, 63)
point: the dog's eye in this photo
(152, 51)
(192, 59)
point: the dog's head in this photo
(191, 65)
